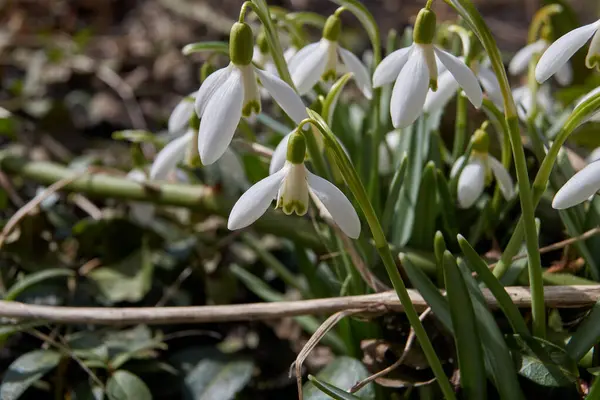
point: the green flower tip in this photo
(424, 31)
(241, 44)
(296, 149)
(333, 28)
(194, 122)
(481, 141)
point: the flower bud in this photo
(424, 27)
(261, 41)
(333, 28)
(481, 141)
(241, 44)
(296, 150)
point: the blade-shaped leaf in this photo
(342, 373)
(35, 278)
(26, 370)
(334, 392)
(219, 47)
(586, 336)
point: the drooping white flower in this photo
(448, 86)
(228, 167)
(478, 171)
(141, 212)
(291, 187)
(524, 100)
(232, 92)
(579, 188)
(522, 58)
(179, 120)
(414, 70)
(321, 60)
(563, 49)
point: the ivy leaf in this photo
(26, 370)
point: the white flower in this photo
(594, 156)
(579, 188)
(179, 120)
(472, 179)
(320, 60)
(291, 186)
(448, 86)
(521, 59)
(524, 100)
(142, 213)
(563, 49)
(414, 68)
(230, 93)
(228, 166)
(265, 61)
(596, 116)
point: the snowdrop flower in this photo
(478, 172)
(320, 60)
(414, 70)
(166, 161)
(142, 213)
(232, 92)
(262, 57)
(522, 58)
(579, 188)
(291, 187)
(524, 100)
(179, 119)
(448, 86)
(559, 52)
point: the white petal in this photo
(595, 116)
(593, 55)
(179, 119)
(230, 166)
(594, 155)
(410, 90)
(289, 53)
(471, 183)
(456, 166)
(582, 185)
(361, 74)
(141, 212)
(389, 68)
(255, 201)
(284, 95)
(463, 75)
(300, 55)
(562, 50)
(306, 68)
(505, 182)
(222, 116)
(279, 155)
(209, 87)
(341, 209)
(564, 75)
(392, 140)
(251, 105)
(490, 84)
(168, 158)
(447, 87)
(520, 61)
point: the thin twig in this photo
(372, 304)
(399, 362)
(33, 203)
(6, 184)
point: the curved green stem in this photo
(358, 190)
(245, 6)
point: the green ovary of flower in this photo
(332, 28)
(241, 44)
(425, 27)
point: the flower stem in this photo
(429, 4)
(243, 10)
(359, 192)
(460, 128)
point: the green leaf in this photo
(35, 278)
(478, 265)
(307, 322)
(123, 385)
(470, 354)
(343, 372)
(366, 19)
(26, 370)
(543, 363)
(219, 47)
(335, 392)
(426, 210)
(128, 280)
(135, 136)
(329, 105)
(586, 336)
(210, 374)
(394, 191)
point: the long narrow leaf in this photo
(586, 336)
(335, 392)
(470, 354)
